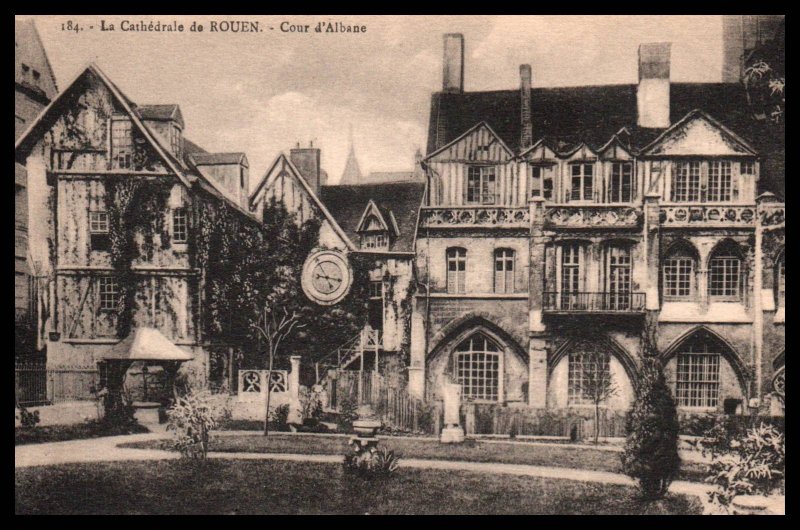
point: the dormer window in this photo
(376, 228)
(481, 185)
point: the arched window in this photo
(678, 272)
(477, 368)
(589, 372)
(725, 272)
(780, 280)
(697, 381)
(456, 270)
(504, 270)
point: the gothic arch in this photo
(682, 244)
(728, 352)
(729, 245)
(459, 329)
(626, 360)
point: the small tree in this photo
(596, 384)
(651, 447)
(275, 329)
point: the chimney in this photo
(453, 78)
(526, 131)
(307, 161)
(652, 94)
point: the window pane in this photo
(697, 376)
(724, 276)
(477, 367)
(719, 181)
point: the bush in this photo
(651, 447)
(348, 413)
(310, 404)
(279, 418)
(379, 463)
(191, 418)
(28, 419)
(743, 464)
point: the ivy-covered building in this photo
(563, 224)
(129, 224)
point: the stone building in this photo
(34, 87)
(561, 223)
(88, 156)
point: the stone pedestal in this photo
(453, 432)
(295, 414)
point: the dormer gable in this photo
(696, 135)
(478, 144)
(539, 152)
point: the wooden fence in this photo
(35, 384)
(523, 421)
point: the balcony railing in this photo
(592, 216)
(475, 217)
(583, 302)
(708, 216)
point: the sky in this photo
(263, 92)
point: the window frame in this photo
(121, 155)
(618, 172)
(690, 182)
(505, 258)
(582, 179)
(575, 391)
(719, 289)
(184, 228)
(483, 369)
(543, 175)
(487, 185)
(456, 278)
(108, 293)
(719, 187)
(706, 394)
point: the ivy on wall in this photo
(135, 207)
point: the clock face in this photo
(326, 277)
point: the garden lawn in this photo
(557, 455)
(78, 431)
(269, 487)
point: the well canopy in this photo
(147, 344)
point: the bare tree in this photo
(597, 383)
(275, 330)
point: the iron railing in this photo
(599, 302)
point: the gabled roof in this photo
(381, 214)
(213, 159)
(161, 113)
(29, 50)
(183, 168)
(567, 116)
(283, 165)
(467, 133)
(692, 116)
(400, 200)
(147, 344)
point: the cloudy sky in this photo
(262, 92)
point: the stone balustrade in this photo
(592, 216)
(711, 216)
(475, 217)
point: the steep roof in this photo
(161, 113)
(184, 168)
(347, 204)
(377, 177)
(567, 116)
(29, 51)
(210, 159)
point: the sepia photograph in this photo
(399, 264)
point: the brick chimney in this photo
(453, 76)
(652, 94)
(526, 130)
(307, 161)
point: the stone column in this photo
(295, 414)
(416, 371)
(537, 264)
(452, 432)
(652, 236)
(537, 372)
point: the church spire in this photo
(351, 173)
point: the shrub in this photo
(651, 447)
(749, 463)
(28, 419)
(191, 418)
(348, 413)
(279, 418)
(310, 404)
(378, 463)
